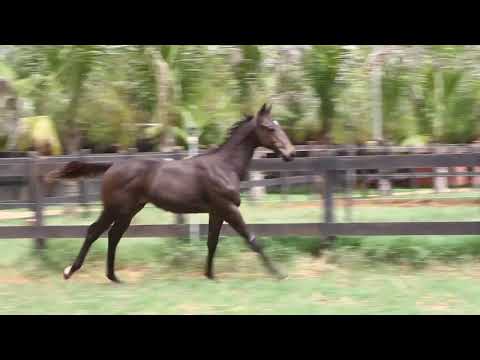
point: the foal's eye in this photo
(269, 128)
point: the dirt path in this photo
(390, 202)
(6, 215)
(413, 202)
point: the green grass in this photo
(359, 275)
(322, 289)
(164, 276)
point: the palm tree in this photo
(247, 70)
(67, 66)
(445, 94)
(322, 64)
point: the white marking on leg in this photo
(66, 272)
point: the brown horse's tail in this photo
(77, 169)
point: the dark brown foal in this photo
(208, 183)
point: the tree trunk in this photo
(73, 141)
(163, 84)
(377, 130)
(13, 115)
(72, 144)
(438, 105)
(326, 117)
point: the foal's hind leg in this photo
(94, 232)
(234, 218)
(214, 226)
(114, 235)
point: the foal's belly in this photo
(180, 207)
(177, 191)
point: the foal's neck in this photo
(238, 152)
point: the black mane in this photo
(237, 126)
(230, 133)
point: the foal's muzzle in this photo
(288, 158)
(287, 155)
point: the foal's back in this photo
(126, 181)
(175, 186)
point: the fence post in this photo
(329, 216)
(329, 189)
(441, 183)
(180, 219)
(36, 198)
(328, 205)
(285, 186)
(385, 184)
(315, 186)
(459, 180)
(83, 185)
(72, 188)
(349, 187)
(256, 193)
(365, 180)
(194, 229)
(414, 182)
(476, 179)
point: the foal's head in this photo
(271, 136)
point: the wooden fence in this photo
(324, 167)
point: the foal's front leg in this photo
(232, 215)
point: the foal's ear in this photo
(265, 110)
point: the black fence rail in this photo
(322, 169)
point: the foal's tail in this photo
(77, 169)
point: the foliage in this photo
(322, 64)
(112, 93)
(36, 132)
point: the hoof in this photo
(282, 276)
(114, 279)
(66, 272)
(210, 277)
